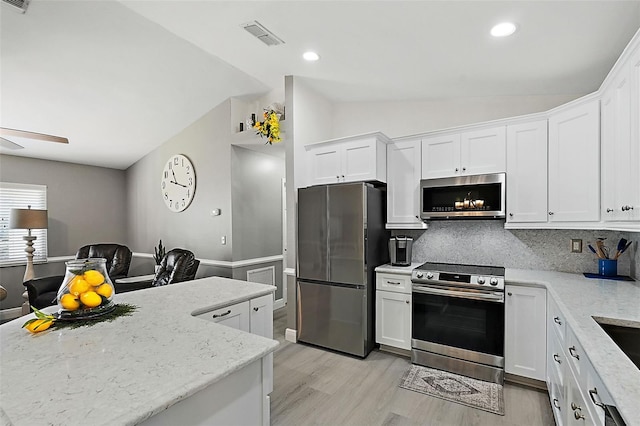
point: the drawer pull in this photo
(555, 403)
(578, 415)
(407, 301)
(557, 320)
(575, 406)
(593, 392)
(394, 282)
(222, 315)
(572, 351)
(557, 359)
(256, 309)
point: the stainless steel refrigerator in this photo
(341, 240)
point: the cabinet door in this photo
(261, 316)
(441, 156)
(525, 331)
(325, 165)
(527, 172)
(483, 151)
(359, 161)
(618, 164)
(574, 164)
(634, 154)
(403, 182)
(393, 319)
(576, 411)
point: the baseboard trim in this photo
(291, 335)
(396, 351)
(10, 313)
(525, 381)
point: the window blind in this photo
(20, 196)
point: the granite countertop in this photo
(580, 299)
(401, 270)
(123, 372)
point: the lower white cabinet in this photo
(525, 331)
(393, 310)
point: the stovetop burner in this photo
(450, 274)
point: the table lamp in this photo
(28, 219)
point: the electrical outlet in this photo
(223, 240)
(576, 246)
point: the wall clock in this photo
(178, 183)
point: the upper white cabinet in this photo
(574, 163)
(525, 331)
(469, 153)
(527, 172)
(351, 159)
(620, 151)
(403, 184)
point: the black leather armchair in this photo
(43, 291)
(177, 265)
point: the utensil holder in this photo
(608, 267)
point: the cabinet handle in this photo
(575, 406)
(578, 415)
(256, 309)
(510, 214)
(407, 302)
(456, 169)
(342, 176)
(572, 350)
(593, 392)
(557, 320)
(550, 213)
(609, 210)
(338, 177)
(557, 359)
(393, 282)
(464, 169)
(555, 403)
(222, 315)
(510, 294)
(627, 208)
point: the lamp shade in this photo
(28, 219)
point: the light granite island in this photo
(164, 364)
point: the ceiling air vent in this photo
(257, 30)
(21, 5)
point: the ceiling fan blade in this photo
(5, 132)
(6, 143)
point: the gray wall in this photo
(207, 144)
(486, 242)
(256, 203)
(85, 204)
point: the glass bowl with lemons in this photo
(86, 291)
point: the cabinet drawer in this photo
(556, 396)
(236, 316)
(556, 320)
(393, 282)
(556, 360)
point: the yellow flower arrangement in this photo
(270, 127)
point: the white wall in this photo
(396, 119)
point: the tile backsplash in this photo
(486, 242)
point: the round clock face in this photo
(178, 183)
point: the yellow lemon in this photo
(91, 299)
(38, 325)
(94, 277)
(78, 286)
(69, 302)
(105, 290)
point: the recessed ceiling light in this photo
(503, 29)
(310, 56)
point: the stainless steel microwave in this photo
(476, 196)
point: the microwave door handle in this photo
(491, 297)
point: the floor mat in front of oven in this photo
(475, 393)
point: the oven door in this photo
(465, 319)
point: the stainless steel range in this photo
(458, 319)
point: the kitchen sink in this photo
(627, 337)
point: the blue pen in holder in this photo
(608, 267)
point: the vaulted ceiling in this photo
(119, 78)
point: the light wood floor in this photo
(314, 386)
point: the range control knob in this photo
(481, 280)
(429, 275)
(418, 274)
(493, 281)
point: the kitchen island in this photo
(153, 366)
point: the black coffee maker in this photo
(400, 250)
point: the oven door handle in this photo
(490, 297)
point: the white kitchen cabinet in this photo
(525, 331)
(468, 153)
(527, 172)
(620, 157)
(351, 159)
(574, 163)
(403, 184)
(393, 310)
(261, 316)
(235, 316)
